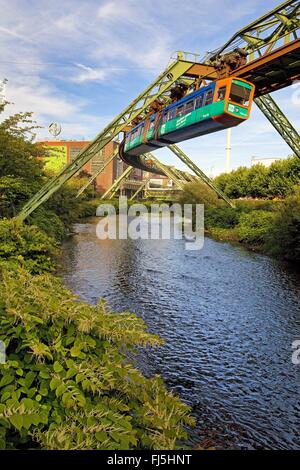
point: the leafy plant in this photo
(284, 238)
(26, 245)
(68, 383)
(255, 227)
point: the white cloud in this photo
(90, 74)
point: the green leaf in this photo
(17, 421)
(54, 383)
(6, 379)
(57, 367)
(44, 374)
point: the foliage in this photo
(22, 175)
(26, 245)
(260, 182)
(284, 239)
(67, 382)
(222, 217)
(199, 193)
(255, 227)
(18, 154)
(48, 222)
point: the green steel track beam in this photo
(180, 174)
(144, 183)
(137, 107)
(117, 183)
(281, 123)
(94, 176)
(185, 159)
(264, 34)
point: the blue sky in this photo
(80, 63)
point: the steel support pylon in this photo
(281, 123)
(168, 171)
(185, 159)
(142, 186)
(117, 183)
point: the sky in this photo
(81, 63)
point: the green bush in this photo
(68, 383)
(284, 237)
(254, 227)
(26, 245)
(199, 193)
(278, 180)
(221, 217)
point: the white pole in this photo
(228, 151)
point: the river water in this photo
(229, 318)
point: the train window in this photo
(240, 94)
(199, 101)
(180, 111)
(164, 119)
(172, 114)
(189, 107)
(151, 125)
(209, 98)
(221, 93)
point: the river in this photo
(229, 318)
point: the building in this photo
(267, 161)
(63, 152)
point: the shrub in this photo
(254, 227)
(284, 237)
(67, 382)
(26, 245)
(221, 217)
(199, 193)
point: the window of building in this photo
(74, 151)
(97, 162)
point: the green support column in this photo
(167, 170)
(117, 183)
(143, 184)
(281, 123)
(185, 159)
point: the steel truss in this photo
(262, 37)
(185, 159)
(142, 186)
(110, 193)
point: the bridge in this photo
(265, 52)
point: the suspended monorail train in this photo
(220, 105)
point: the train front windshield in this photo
(240, 94)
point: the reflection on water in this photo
(229, 318)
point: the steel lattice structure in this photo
(265, 52)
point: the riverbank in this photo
(269, 227)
